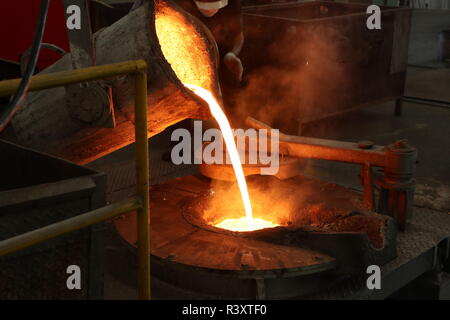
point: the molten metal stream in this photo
(225, 127)
(184, 50)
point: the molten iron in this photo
(183, 48)
(247, 223)
(241, 224)
(184, 60)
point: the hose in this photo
(428, 102)
(19, 97)
(25, 57)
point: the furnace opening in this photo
(222, 210)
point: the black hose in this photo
(430, 102)
(19, 97)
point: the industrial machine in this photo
(326, 235)
(84, 122)
(325, 58)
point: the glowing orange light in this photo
(241, 224)
(247, 223)
(183, 48)
(224, 125)
(188, 57)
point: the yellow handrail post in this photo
(40, 235)
(142, 177)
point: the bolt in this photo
(401, 144)
(365, 144)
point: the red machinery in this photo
(17, 28)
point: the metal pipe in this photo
(72, 224)
(63, 78)
(141, 202)
(429, 102)
(315, 148)
(142, 177)
(398, 161)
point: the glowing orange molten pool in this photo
(242, 225)
(247, 223)
(185, 59)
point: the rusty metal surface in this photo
(81, 43)
(398, 161)
(177, 240)
(415, 251)
(416, 255)
(183, 250)
(213, 263)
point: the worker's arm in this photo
(238, 43)
(231, 60)
(234, 65)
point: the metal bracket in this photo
(260, 289)
(92, 102)
(367, 182)
(397, 182)
(397, 160)
(441, 254)
(81, 42)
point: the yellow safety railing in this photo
(140, 202)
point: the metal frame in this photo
(139, 202)
(397, 160)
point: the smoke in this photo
(292, 202)
(295, 73)
(271, 200)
